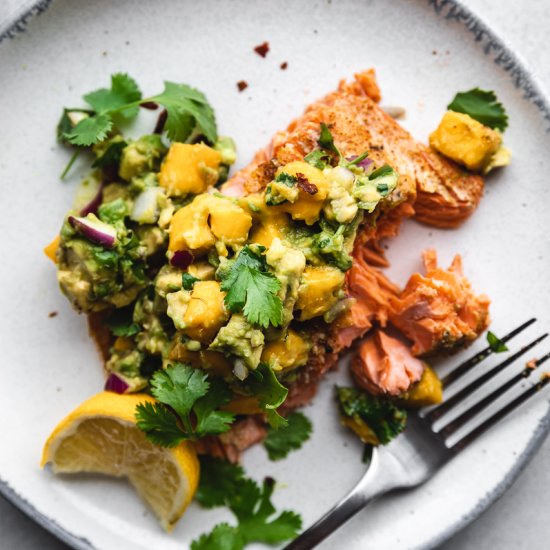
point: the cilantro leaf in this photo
(280, 442)
(179, 387)
(187, 110)
(187, 281)
(159, 424)
(495, 343)
(286, 526)
(250, 288)
(209, 420)
(483, 106)
(254, 511)
(185, 394)
(222, 537)
(318, 158)
(186, 107)
(253, 508)
(367, 412)
(326, 141)
(218, 479)
(270, 392)
(121, 322)
(123, 90)
(90, 130)
(69, 119)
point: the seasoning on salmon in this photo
(385, 365)
(439, 311)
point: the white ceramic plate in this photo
(423, 52)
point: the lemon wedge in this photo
(101, 436)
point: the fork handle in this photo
(370, 487)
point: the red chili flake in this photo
(262, 49)
(52, 314)
(284, 65)
(242, 85)
(531, 364)
(303, 183)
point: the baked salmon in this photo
(432, 188)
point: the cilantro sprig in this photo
(223, 484)
(188, 113)
(495, 343)
(483, 106)
(250, 288)
(279, 443)
(187, 108)
(187, 406)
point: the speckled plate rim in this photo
(523, 78)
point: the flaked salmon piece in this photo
(439, 311)
(372, 292)
(385, 365)
(244, 433)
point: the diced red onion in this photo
(364, 164)
(94, 230)
(93, 205)
(88, 195)
(115, 384)
(182, 259)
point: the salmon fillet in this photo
(444, 193)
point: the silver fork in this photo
(417, 454)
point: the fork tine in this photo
(458, 422)
(491, 421)
(465, 367)
(464, 392)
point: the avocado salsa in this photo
(178, 271)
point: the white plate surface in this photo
(423, 52)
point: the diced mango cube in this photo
(269, 228)
(319, 290)
(189, 169)
(427, 391)
(51, 249)
(229, 222)
(307, 207)
(205, 313)
(289, 352)
(465, 140)
(189, 229)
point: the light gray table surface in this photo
(519, 520)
